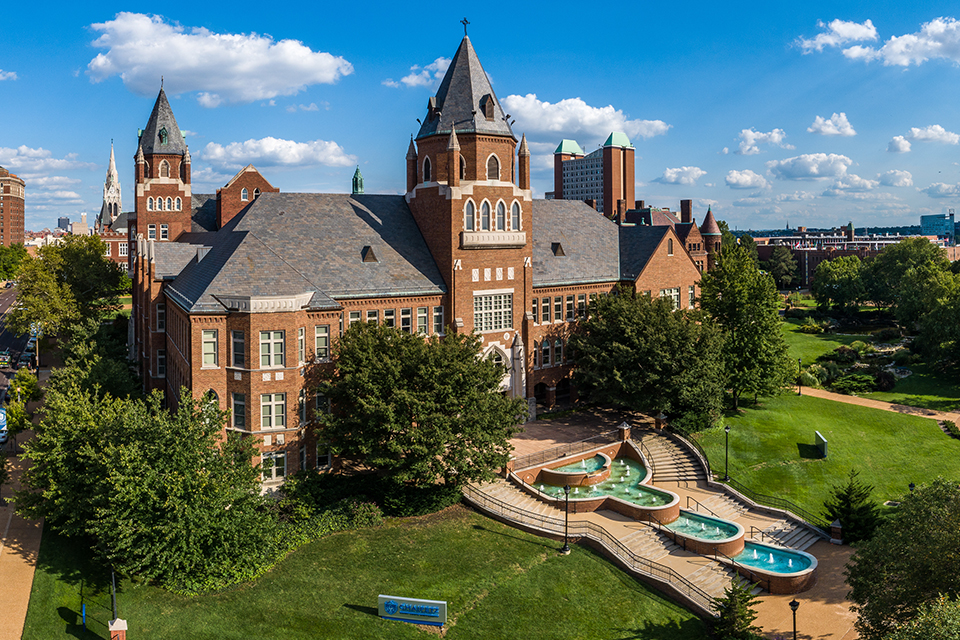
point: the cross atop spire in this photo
(464, 22)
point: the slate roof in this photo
(171, 257)
(710, 226)
(203, 212)
(459, 96)
(637, 244)
(683, 229)
(287, 244)
(162, 118)
(122, 222)
(589, 242)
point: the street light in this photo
(726, 457)
(794, 605)
(799, 376)
(566, 521)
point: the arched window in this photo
(485, 216)
(515, 217)
(149, 204)
(179, 204)
(669, 246)
(501, 216)
(463, 168)
(169, 206)
(496, 357)
(164, 169)
(244, 194)
(469, 216)
(558, 352)
(256, 193)
(426, 170)
(493, 168)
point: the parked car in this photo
(26, 360)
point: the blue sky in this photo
(810, 113)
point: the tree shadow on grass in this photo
(538, 541)
(676, 629)
(809, 451)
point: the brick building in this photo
(605, 176)
(11, 208)
(235, 293)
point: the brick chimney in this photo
(686, 211)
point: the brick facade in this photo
(12, 190)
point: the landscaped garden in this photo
(498, 582)
(772, 449)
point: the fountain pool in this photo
(588, 465)
(770, 559)
(625, 482)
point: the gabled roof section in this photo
(247, 169)
(569, 147)
(162, 135)
(172, 257)
(464, 95)
(121, 224)
(587, 238)
(292, 244)
(637, 246)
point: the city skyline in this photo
(814, 116)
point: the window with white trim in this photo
(693, 297)
(558, 352)
(239, 414)
(501, 216)
(570, 308)
(169, 204)
(406, 320)
(515, 217)
(493, 168)
(469, 216)
(164, 232)
(321, 345)
(422, 326)
(149, 204)
(123, 249)
(389, 317)
(161, 363)
(161, 316)
(545, 308)
(209, 347)
(354, 317)
(669, 246)
(106, 251)
(179, 203)
(302, 344)
(273, 410)
(485, 216)
(303, 457)
(536, 310)
(324, 459)
(237, 348)
(271, 348)
(493, 312)
(373, 316)
(558, 308)
(244, 194)
(545, 353)
(673, 294)
(581, 305)
(426, 170)
(274, 465)
(151, 232)
(302, 406)
(438, 325)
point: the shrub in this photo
(809, 326)
(951, 428)
(887, 335)
(901, 357)
(403, 500)
(862, 347)
(832, 369)
(842, 355)
(797, 312)
(819, 372)
(885, 381)
(854, 383)
(807, 379)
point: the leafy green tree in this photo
(839, 282)
(748, 243)
(782, 266)
(41, 300)
(636, 352)
(922, 288)
(911, 560)
(735, 614)
(98, 353)
(10, 259)
(745, 304)
(939, 619)
(417, 409)
(939, 335)
(850, 503)
(883, 275)
(727, 239)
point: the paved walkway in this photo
(879, 404)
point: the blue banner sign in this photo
(432, 612)
(3, 417)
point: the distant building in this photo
(939, 224)
(12, 190)
(604, 176)
(111, 224)
(80, 228)
(63, 223)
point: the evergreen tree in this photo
(782, 266)
(850, 503)
(735, 614)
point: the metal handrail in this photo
(753, 577)
(699, 504)
(647, 456)
(811, 519)
(688, 439)
(595, 532)
(761, 532)
(559, 451)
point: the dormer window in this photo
(162, 134)
(486, 106)
(493, 168)
(244, 194)
(256, 193)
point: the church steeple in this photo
(357, 182)
(112, 204)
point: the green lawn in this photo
(925, 388)
(810, 346)
(498, 582)
(772, 449)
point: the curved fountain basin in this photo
(778, 576)
(579, 472)
(706, 535)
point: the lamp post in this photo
(799, 376)
(726, 457)
(566, 521)
(794, 605)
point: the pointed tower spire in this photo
(112, 175)
(453, 160)
(523, 157)
(411, 166)
(357, 182)
(162, 135)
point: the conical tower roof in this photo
(462, 97)
(710, 226)
(162, 135)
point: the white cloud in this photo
(220, 67)
(724, 151)
(941, 190)
(895, 178)
(573, 115)
(810, 166)
(850, 183)
(58, 197)
(836, 125)
(681, 175)
(8, 75)
(303, 107)
(427, 76)
(796, 196)
(899, 144)
(933, 133)
(38, 160)
(839, 32)
(47, 182)
(745, 179)
(207, 176)
(937, 39)
(277, 152)
(751, 138)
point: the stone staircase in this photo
(789, 534)
(507, 492)
(672, 463)
(714, 577)
(649, 543)
(723, 506)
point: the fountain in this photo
(754, 554)
(771, 558)
(576, 490)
